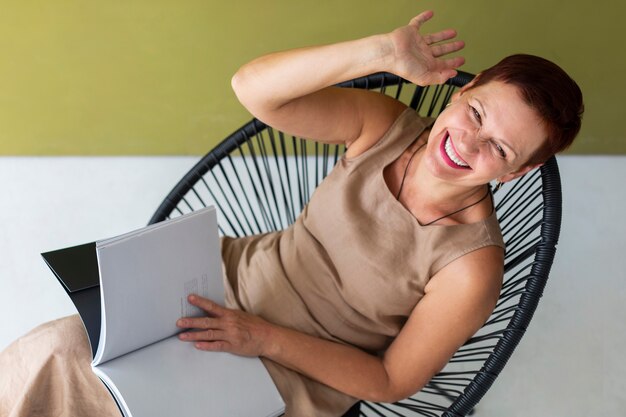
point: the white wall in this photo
(570, 362)
(51, 203)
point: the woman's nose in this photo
(468, 141)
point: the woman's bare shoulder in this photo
(479, 272)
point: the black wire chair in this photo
(259, 179)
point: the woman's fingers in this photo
(217, 346)
(224, 329)
(444, 35)
(446, 48)
(438, 47)
(203, 335)
(207, 305)
(197, 322)
(440, 76)
(454, 62)
(211, 327)
(421, 18)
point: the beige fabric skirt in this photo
(47, 372)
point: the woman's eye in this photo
(476, 115)
(500, 150)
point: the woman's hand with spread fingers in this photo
(419, 58)
(224, 329)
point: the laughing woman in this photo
(398, 258)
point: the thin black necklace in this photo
(406, 169)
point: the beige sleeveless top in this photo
(350, 269)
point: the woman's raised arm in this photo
(292, 91)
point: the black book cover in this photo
(77, 270)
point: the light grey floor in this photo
(570, 362)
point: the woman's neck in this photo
(430, 197)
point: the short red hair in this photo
(548, 89)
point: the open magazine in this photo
(129, 291)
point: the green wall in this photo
(149, 77)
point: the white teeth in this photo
(452, 155)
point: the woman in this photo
(398, 258)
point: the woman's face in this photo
(486, 133)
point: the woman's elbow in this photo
(391, 393)
(238, 84)
(398, 395)
(252, 94)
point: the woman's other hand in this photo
(224, 329)
(420, 58)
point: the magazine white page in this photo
(172, 378)
(146, 276)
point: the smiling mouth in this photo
(450, 155)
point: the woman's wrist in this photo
(373, 54)
(269, 335)
(387, 53)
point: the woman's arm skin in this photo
(457, 301)
(292, 91)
